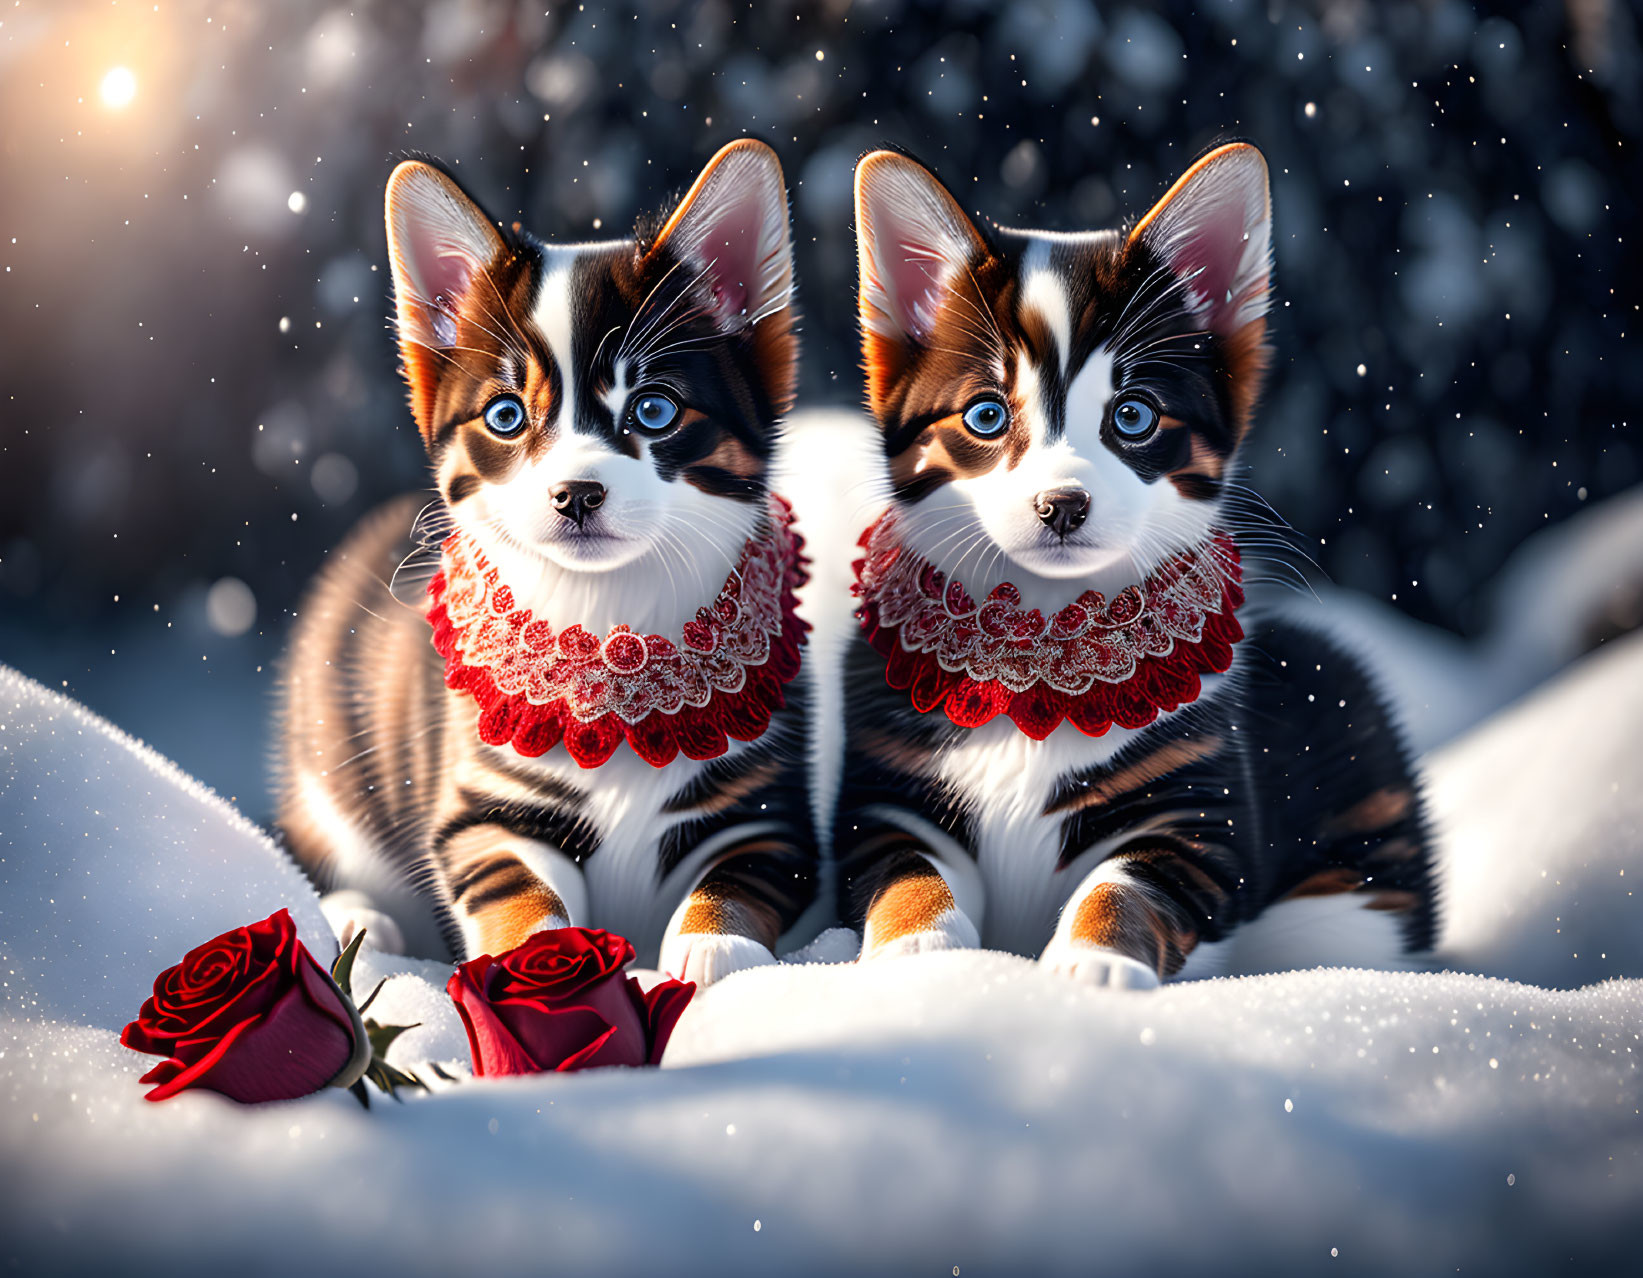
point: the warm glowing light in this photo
(118, 88)
(297, 203)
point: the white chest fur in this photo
(1008, 780)
(624, 802)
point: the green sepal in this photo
(383, 1036)
(359, 1060)
(366, 1005)
(390, 1078)
(379, 1038)
(342, 971)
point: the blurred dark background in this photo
(197, 385)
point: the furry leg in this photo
(720, 928)
(505, 888)
(1117, 931)
(914, 911)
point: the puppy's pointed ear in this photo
(914, 247)
(439, 243)
(1213, 228)
(912, 241)
(731, 230)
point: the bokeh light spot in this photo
(118, 89)
(230, 607)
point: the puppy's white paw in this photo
(350, 911)
(952, 931)
(1093, 965)
(706, 957)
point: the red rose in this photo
(560, 1002)
(250, 1015)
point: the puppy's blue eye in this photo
(986, 418)
(505, 416)
(654, 412)
(1134, 419)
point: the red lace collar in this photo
(722, 678)
(1094, 663)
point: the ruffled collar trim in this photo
(1094, 663)
(537, 687)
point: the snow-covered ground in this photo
(928, 1114)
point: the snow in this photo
(113, 864)
(948, 1110)
(938, 1111)
(1542, 816)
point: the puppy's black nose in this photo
(576, 499)
(1063, 510)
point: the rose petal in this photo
(141, 1036)
(560, 1002)
(562, 962)
(185, 1076)
(229, 979)
(163, 1072)
(629, 1046)
(252, 999)
(294, 1050)
(584, 1058)
(493, 1049)
(322, 992)
(564, 1038)
(662, 1006)
(552, 1031)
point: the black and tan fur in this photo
(1115, 858)
(389, 798)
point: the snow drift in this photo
(960, 1111)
